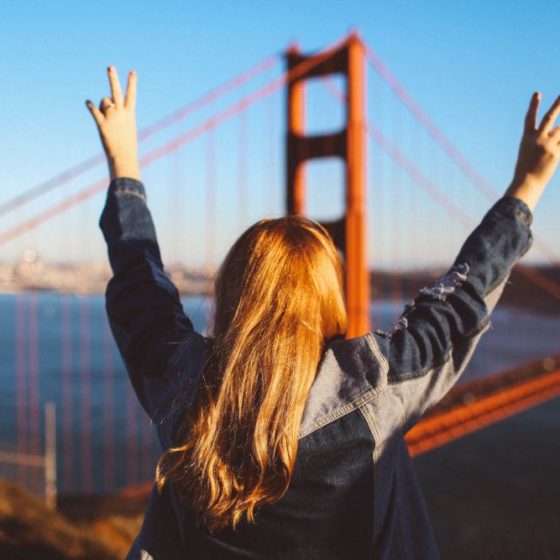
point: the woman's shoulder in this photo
(367, 352)
(351, 371)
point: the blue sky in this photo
(471, 66)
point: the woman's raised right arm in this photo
(143, 304)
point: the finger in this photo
(130, 99)
(531, 117)
(116, 91)
(555, 134)
(97, 115)
(550, 117)
(106, 104)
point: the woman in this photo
(281, 438)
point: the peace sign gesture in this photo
(539, 153)
(116, 122)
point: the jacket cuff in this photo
(509, 206)
(125, 215)
(127, 185)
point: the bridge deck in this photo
(480, 403)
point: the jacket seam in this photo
(377, 352)
(374, 430)
(353, 404)
(130, 191)
(370, 420)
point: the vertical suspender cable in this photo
(211, 221)
(67, 394)
(85, 392)
(34, 397)
(374, 184)
(242, 177)
(447, 187)
(433, 173)
(22, 439)
(407, 220)
(108, 408)
(271, 181)
(379, 213)
(67, 336)
(396, 195)
(177, 224)
(415, 240)
(383, 240)
(86, 436)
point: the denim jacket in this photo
(354, 493)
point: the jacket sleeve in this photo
(437, 333)
(143, 305)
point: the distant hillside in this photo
(90, 279)
(520, 291)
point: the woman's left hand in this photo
(116, 123)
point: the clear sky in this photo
(471, 66)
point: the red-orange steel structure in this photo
(349, 144)
(443, 426)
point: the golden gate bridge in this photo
(400, 175)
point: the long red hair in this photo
(278, 299)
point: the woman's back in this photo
(333, 501)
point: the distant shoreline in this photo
(540, 294)
(519, 293)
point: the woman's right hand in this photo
(539, 154)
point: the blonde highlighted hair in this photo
(278, 299)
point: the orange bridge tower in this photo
(349, 144)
